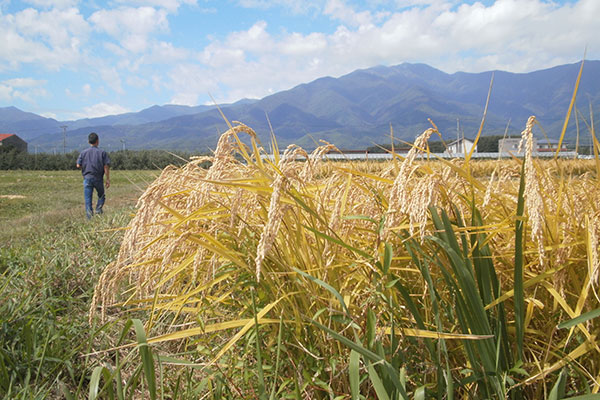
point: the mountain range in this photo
(353, 111)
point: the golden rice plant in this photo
(330, 279)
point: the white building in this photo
(461, 146)
(549, 145)
(511, 145)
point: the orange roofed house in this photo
(12, 140)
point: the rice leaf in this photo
(369, 355)
(387, 258)
(354, 374)
(371, 328)
(147, 359)
(338, 242)
(277, 357)
(558, 390)
(244, 329)
(328, 287)
(580, 319)
(569, 111)
(95, 382)
(519, 294)
(65, 391)
(487, 102)
(579, 351)
(98, 373)
(420, 393)
(262, 393)
(443, 335)
(377, 383)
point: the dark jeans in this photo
(89, 184)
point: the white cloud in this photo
(169, 5)
(217, 56)
(25, 89)
(188, 82)
(53, 3)
(24, 82)
(131, 27)
(238, 46)
(420, 3)
(86, 89)
(164, 52)
(157, 55)
(5, 92)
(133, 45)
(49, 114)
(136, 82)
(112, 78)
(101, 110)
(157, 82)
(297, 44)
(82, 93)
(339, 10)
(295, 6)
(51, 38)
(184, 99)
(115, 49)
(56, 27)
(515, 35)
(255, 39)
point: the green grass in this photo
(29, 199)
(50, 259)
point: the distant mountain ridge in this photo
(352, 111)
(27, 125)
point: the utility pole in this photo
(457, 135)
(64, 128)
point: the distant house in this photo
(12, 140)
(461, 146)
(511, 145)
(549, 145)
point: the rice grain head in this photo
(404, 199)
(594, 261)
(286, 167)
(533, 198)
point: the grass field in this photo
(50, 259)
(44, 197)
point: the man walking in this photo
(94, 163)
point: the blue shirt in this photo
(92, 161)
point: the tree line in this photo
(11, 159)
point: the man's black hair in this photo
(93, 138)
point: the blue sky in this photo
(70, 59)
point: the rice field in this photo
(300, 278)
